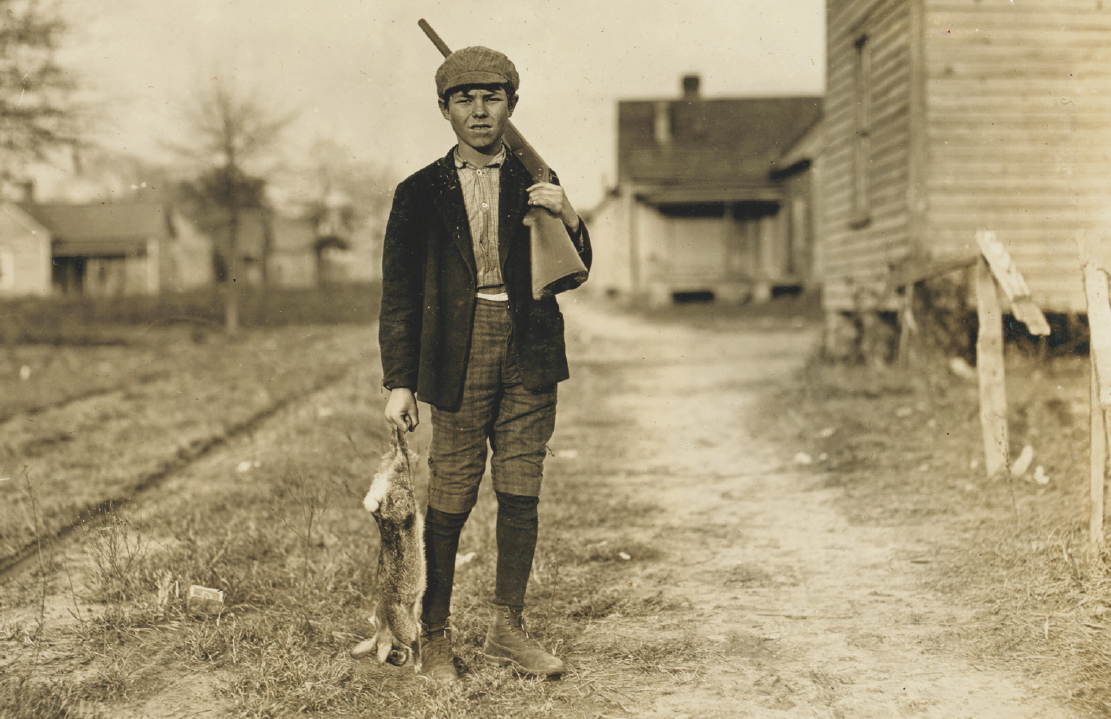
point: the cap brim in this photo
(476, 77)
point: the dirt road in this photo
(797, 612)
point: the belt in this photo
(496, 293)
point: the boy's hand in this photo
(554, 199)
(401, 409)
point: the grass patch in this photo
(295, 554)
(23, 696)
(81, 451)
(905, 449)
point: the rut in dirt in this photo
(95, 515)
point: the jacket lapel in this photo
(512, 204)
(448, 197)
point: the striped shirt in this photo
(481, 186)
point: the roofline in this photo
(720, 98)
(26, 219)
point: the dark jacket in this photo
(428, 287)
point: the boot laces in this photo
(436, 647)
(516, 623)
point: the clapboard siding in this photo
(1019, 133)
(993, 114)
(853, 253)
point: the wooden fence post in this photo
(1098, 466)
(989, 368)
(995, 270)
(1099, 325)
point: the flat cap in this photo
(476, 66)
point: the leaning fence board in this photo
(1012, 283)
(989, 365)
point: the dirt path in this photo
(799, 613)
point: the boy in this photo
(459, 328)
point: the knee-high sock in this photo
(441, 542)
(517, 530)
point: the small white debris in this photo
(962, 369)
(823, 457)
(827, 432)
(24, 373)
(461, 559)
(1023, 462)
(568, 454)
(1040, 476)
(803, 458)
(624, 556)
(904, 412)
(202, 600)
(244, 466)
(974, 464)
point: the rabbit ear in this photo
(384, 650)
(363, 648)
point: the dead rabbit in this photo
(401, 570)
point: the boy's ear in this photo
(443, 109)
(513, 103)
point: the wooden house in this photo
(24, 253)
(109, 249)
(705, 203)
(272, 249)
(944, 117)
(293, 258)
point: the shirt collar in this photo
(497, 162)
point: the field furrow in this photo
(61, 464)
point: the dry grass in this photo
(81, 454)
(289, 543)
(905, 449)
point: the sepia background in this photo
(360, 73)
(833, 442)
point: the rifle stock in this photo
(556, 265)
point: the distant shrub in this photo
(100, 320)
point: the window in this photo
(862, 131)
(7, 269)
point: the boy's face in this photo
(479, 115)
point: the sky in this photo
(359, 73)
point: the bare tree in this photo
(37, 112)
(231, 130)
(344, 195)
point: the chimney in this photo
(691, 85)
(27, 191)
(663, 122)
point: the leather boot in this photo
(437, 659)
(508, 644)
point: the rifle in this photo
(556, 265)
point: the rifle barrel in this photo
(440, 44)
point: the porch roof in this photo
(685, 194)
(100, 229)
